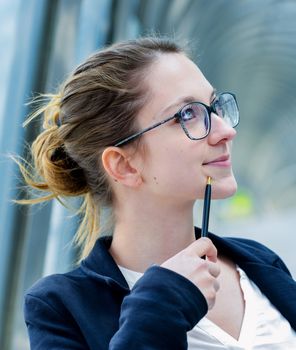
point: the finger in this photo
(204, 247)
(216, 285)
(214, 269)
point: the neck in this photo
(150, 234)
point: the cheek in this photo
(162, 163)
(176, 168)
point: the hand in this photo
(203, 273)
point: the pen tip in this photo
(209, 180)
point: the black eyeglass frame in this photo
(210, 109)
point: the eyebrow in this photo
(187, 99)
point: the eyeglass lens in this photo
(196, 119)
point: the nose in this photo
(220, 132)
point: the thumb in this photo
(204, 247)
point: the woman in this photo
(138, 128)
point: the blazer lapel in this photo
(265, 269)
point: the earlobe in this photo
(117, 164)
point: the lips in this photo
(223, 160)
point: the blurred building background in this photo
(246, 46)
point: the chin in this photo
(224, 188)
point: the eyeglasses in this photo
(195, 117)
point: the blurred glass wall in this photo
(247, 47)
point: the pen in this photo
(206, 209)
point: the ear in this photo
(118, 164)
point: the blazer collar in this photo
(258, 262)
(100, 264)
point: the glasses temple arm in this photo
(128, 139)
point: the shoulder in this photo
(60, 292)
(57, 310)
(244, 250)
(52, 290)
(56, 284)
(251, 244)
(253, 250)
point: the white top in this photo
(263, 326)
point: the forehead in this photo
(172, 77)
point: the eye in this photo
(188, 113)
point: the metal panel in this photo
(47, 230)
(22, 80)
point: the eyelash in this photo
(176, 120)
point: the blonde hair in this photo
(95, 108)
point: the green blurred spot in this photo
(240, 205)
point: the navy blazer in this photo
(93, 308)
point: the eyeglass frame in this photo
(210, 109)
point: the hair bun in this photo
(70, 168)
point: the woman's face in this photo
(176, 167)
